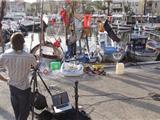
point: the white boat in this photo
(110, 50)
(71, 69)
(137, 49)
(120, 22)
(149, 27)
(121, 25)
(124, 27)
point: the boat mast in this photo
(42, 31)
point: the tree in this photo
(101, 6)
(2, 10)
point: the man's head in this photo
(17, 41)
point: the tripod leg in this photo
(76, 100)
(33, 100)
(44, 84)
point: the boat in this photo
(30, 22)
(154, 45)
(71, 69)
(120, 23)
(137, 27)
(110, 50)
(137, 49)
(149, 27)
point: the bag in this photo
(45, 115)
(38, 101)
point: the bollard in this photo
(119, 68)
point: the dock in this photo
(111, 97)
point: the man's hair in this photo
(17, 41)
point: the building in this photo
(153, 7)
(18, 8)
(117, 7)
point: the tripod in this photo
(34, 86)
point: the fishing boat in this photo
(110, 50)
(120, 23)
(154, 45)
(71, 69)
(137, 49)
(149, 27)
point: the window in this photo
(156, 5)
(136, 3)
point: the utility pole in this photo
(109, 3)
(145, 3)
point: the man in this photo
(18, 64)
(72, 44)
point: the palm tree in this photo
(101, 6)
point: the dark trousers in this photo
(20, 100)
(72, 49)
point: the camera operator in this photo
(18, 64)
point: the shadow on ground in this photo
(69, 115)
(6, 115)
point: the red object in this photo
(68, 1)
(57, 44)
(53, 21)
(45, 71)
(64, 16)
(110, 18)
(87, 21)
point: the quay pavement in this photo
(110, 97)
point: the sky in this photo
(30, 1)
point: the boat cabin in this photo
(138, 42)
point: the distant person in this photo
(18, 64)
(71, 43)
(100, 26)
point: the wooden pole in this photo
(42, 31)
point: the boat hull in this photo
(143, 56)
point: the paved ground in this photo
(110, 97)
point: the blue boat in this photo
(110, 50)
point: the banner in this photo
(87, 21)
(64, 16)
(110, 32)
